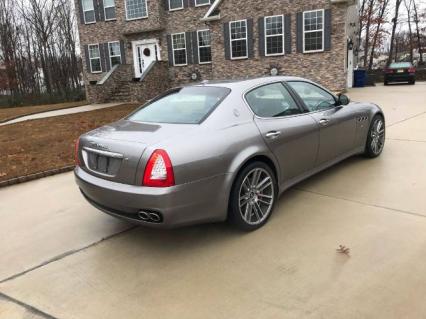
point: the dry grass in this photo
(7, 114)
(44, 144)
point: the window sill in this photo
(110, 20)
(133, 19)
(202, 5)
(88, 23)
(239, 58)
(313, 51)
(274, 54)
(202, 63)
(177, 9)
(178, 65)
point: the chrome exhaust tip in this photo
(155, 217)
(144, 216)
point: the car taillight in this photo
(159, 170)
(388, 71)
(412, 70)
(76, 147)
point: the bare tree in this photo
(395, 23)
(382, 5)
(408, 5)
(38, 46)
(367, 29)
(419, 40)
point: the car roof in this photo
(245, 84)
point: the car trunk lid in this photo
(113, 152)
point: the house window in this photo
(109, 8)
(114, 53)
(88, 11)
(204, 46)
(238, 32)
(274, 35)
(136, 9)
(175, 4)
(95, 58)
(179, 49)
(313, 31)
(201, 2)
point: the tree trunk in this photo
(367, 31)
(376, 34)
(395, 23)
(419, 39)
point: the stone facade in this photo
(327, 68)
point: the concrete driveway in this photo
(60, 258)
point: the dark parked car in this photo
(218, 151)
(400, 72)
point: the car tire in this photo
(413, 82)
(253, 196)
(376, 137)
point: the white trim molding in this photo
(208, 16)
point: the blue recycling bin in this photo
(360, 77)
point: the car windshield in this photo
(400, 65)
(188, 105)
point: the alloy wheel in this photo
(377, 136)
(256, 196)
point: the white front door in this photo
(144, 53)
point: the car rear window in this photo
(188, 105)
(400, 65)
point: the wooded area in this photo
(394, 30)
(38, 52)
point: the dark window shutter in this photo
(192, 3)
(186, 3)
(96, 8)
(101, 11)
(250, 40)
(188, 38)
(327, 30)
(123, 52)
(261, 31)
(299, 31)
(226, 38)
(170, 49)
(287, 33)
(196, 59)
(166, 4)
(107, 59)
(80, 8)
(86, 53)
(103, 56)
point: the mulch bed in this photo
(11, 113)
(42, 145)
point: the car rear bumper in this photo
(400, 77)
(192, 203)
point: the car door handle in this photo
(324, 122)
(273, 134)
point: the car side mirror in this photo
(342, 100)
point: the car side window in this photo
(272, 100)
(315, 98)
